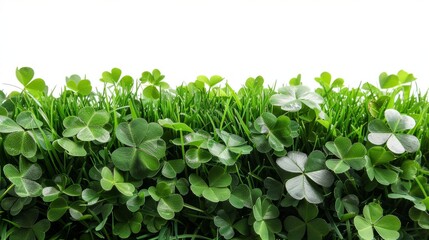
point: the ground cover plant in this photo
(141, 160)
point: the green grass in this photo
(344, 112)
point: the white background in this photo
(355, 40)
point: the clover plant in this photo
(386, 226)
(141, 160)
(397, 142)
(309, 171)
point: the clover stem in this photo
(331, 220)
(183, 150)
(349, 230)
(6, 191)
(275, 167)
(421, 187)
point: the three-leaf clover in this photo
(88, 125)
(392, 80)
(127, 223)
(14, 204)
(59, 207)
(348, 155)
(197, 154)
(291, 98)
(316, 228)
(22, 135)
(376, 166)
(115, 179)
(155, 81)
(29, 227)
(397, 142)
(309, 169)
(62, 186)
(217, 189)
(24, 178)
(266, 219)
(225, 220)
(215, 79)
(34, 86)
(114, 76)
(271, 132)
(169, 202)
(78, 85)
(386, 226)
(229, 152)
(144, 148)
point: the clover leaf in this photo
(217, 189)
(20, 141)
(349, 155)
(34, 86)
(376, 166)
(29, 227)
(386, 226)
(88, 125)
(24, 178)
(271, 132)
(115, 179)
(173, 167)
(345, 206)
(197, 154)
(60, 206)
(242, 196)
(229, 152)
(127, 223)
(397, 142)
(169, 203)
(421, 217)
(62, 186)
(225, 220)
(155, 81)
(316, 228)
(309, 169)
(14, 204)
(114, 76)
(177, 126)
(266, 219)
(144, 148)
(291, 98)
(392, 80)
(136, 201)
(215, 79)
(72, 148)
(78, 85)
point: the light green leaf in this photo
(7, 125)
(17, 143)
(70, 147)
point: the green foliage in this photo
(397, 142)
(36, 86)
(386, 226)
(204, 161)
(78, 85)
(88, 125)
(348, 155)
(291, 98)
(266, 219)
(308, 224)
(217, 188)
(155, 82)
(310, 171)
(144, 148)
